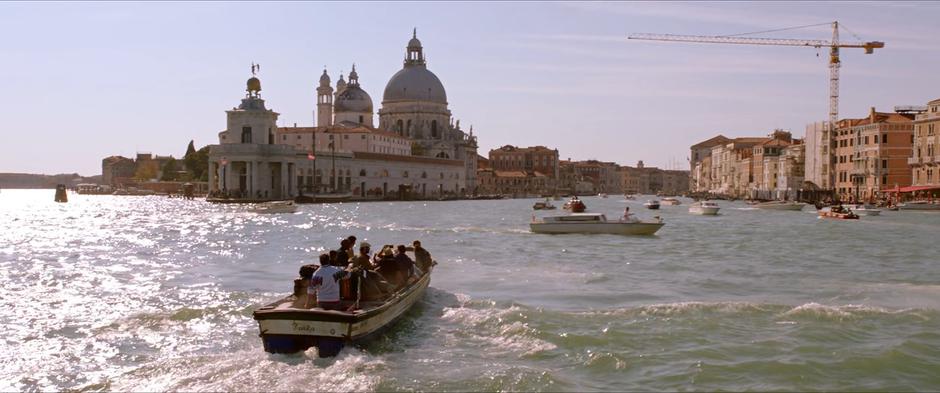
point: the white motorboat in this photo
(594, 223)
(704, 208)
(780, 205)
(864, 210)
(547, 205)
(602, 195)
(670, 201)
(919, 205)
(652, 204)
(275, 207)
(628, 197)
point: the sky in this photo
(83, 81)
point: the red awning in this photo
(912, 189)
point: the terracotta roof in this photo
(717, 140)
(775, 142)
(752, 139)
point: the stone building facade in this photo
(925, 158)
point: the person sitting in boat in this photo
(387, 267)
(405, 264)
(325, 285)
(342, 254)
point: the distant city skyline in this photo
(87, 80)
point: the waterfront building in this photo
(818, 156)
(872, 154)
(248, 163)
(925, 158)
(416, 151)
(538, 164)
(116, 170)
(700, 174)
(791, 175)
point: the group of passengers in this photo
(371, 276)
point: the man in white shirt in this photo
(325, 284)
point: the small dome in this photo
(414, 43)
(415, 83)
(254, 84)
(324, 79)
(353, 99)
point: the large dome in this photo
(414, 83)
(353, 99)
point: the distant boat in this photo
(575, 205)
(837, 213)
(547, 205)
(670, 201)
(704, 208)
(652, 204)
(275, 207)
(780, 205)
(61, 195)
(593, 223)
(919, 205)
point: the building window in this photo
(434, 129)
(360, 119)
(404, 174)
(884, 164)
(362, 173)
(346, 137)
(884, 138)
(246, 134)
(400, 126)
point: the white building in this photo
(417, 150)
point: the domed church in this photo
(414, 106)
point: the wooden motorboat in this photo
(575, 205)
(593, 223)
(652, 204)
(704, 208)
(837, 213)
(288, 327)
(275, 207)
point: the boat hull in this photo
(704, 211)
(919, 206)
(613, 228)
(291, 330)
(780, 206)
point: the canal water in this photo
(153, 294)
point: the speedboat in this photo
(275, 207)
(704, 208)
(670, 201)
(837, 213)
(602, 195)
(547, 205)
(919, 205)
(594, 223)
(575, 205)
(866, 210)
(628, 197)
(780, 205)
(287, 326)
(652, 204)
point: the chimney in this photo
(871, 115)
(295, 125)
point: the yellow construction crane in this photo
(834, 64)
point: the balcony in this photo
(914, 161)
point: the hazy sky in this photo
(83, 81)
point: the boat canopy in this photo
(912, 188)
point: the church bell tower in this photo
(324, 101)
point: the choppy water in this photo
(150, 294)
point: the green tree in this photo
(200, 162)
(170, 170)
(146, 170)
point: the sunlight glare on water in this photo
(153, 294)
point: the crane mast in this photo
(828, 135)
